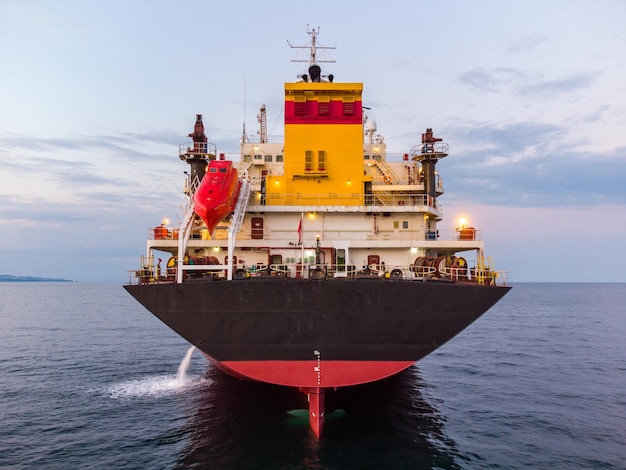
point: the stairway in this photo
(235, 224)
(240, 207)
(242, 169)
(388, 175)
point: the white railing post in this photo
(183, 237)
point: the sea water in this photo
(89, 379)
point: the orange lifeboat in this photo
(217, 194)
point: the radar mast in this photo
(313, 47)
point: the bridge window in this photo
(321, 160)
(308, 160)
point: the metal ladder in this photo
(240, 207)
(386, 171)
(242, 169)
(236, 221)
(183, 237)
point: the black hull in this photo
(346, 320)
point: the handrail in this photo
(377, 198)
(286, 234)
(428, 148)
(149, 274)
(237, 219)
(206, 149)
(184, 233)
(389, 177)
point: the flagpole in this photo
(302, 245)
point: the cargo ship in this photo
(315, 261)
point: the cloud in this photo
(524, 84)
(84, 162)
(490, 80)
(572, 83)
(67, 192)
(528, 164)
(527, 43)
(122, 145)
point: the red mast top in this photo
(198, 136)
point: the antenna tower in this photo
(313, 47)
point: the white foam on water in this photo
(154, 387)
(160, 385)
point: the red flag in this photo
(300, 231)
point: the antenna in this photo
(244, 136)
(313, 48)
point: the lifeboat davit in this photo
(217, 194)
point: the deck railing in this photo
(377, 198)
(151, 272)
(309, 236)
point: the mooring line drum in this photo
(457, 267)
(440, 265)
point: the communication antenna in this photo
(313, 47)
(244, 136)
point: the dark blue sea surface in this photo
(88, 380)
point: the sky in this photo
(96, 96)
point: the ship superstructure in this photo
(325, 266)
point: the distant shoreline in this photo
(9, 278)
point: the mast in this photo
(428, 154)
(197, 153)
(313, 47)
(262, 118)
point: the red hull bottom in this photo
(313, 378)
(316, 373)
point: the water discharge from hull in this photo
(181, 375)
(158, 386)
